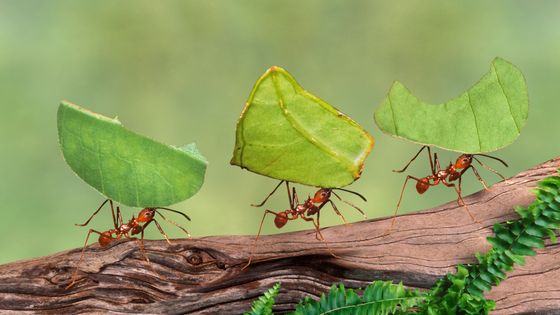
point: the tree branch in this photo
(204, 276)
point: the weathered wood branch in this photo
(204, 276)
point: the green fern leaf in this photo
(379, 298)
(263, 305)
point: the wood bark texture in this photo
(205, 276)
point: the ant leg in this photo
(142, 247)
(414, 158)
(291, 196)
(269, 195)
(350, 204)
(257, 238)
(460, 200)
(113, 215)
(295, 200)
(174, 223)
(96, 211)
(161, 231)
(119, 217)
(399, 203)
(336, 211)
(435, 166)
(480, 179)
(75, 273)
(140, 242)
(318, 227)
(318, 233)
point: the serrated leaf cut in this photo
(124, 166)
(487, 117)
(287, 133)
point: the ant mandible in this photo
(134, 226)
(310, 207)
(446, 176)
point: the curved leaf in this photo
(124, 166)
(286, 133)
(487, 117)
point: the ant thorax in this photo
(302, 207)
(442, 173)
(124, 228)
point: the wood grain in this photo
(204, 276)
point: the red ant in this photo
(134, 226)
(311, 206)
(453, 172)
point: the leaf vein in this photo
(303, 132)
(507, 99)
(393, 114)
(475, 122)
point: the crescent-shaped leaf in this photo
(487, 117)
(286, 133)
(124, 166)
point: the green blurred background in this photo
(180, 71)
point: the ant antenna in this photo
(492, 157)
(352, 192)
(172, 222)
(179, 212)
(489, 168)
(414, 158)
(350, 204)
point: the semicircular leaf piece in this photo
(287, 133)
(124, 166)
(487, 117)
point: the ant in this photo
(453, 172)
(134, 226)
(311, 206)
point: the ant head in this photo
(147, 214)
(322, 195)
(464, 160)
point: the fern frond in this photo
(263, 305)
(463, 292)
(379, 298)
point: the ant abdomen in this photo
(105, 239)
(422, 185)
(281, 219)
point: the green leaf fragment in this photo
(286, 133)
(124, 166)
(487, 117)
